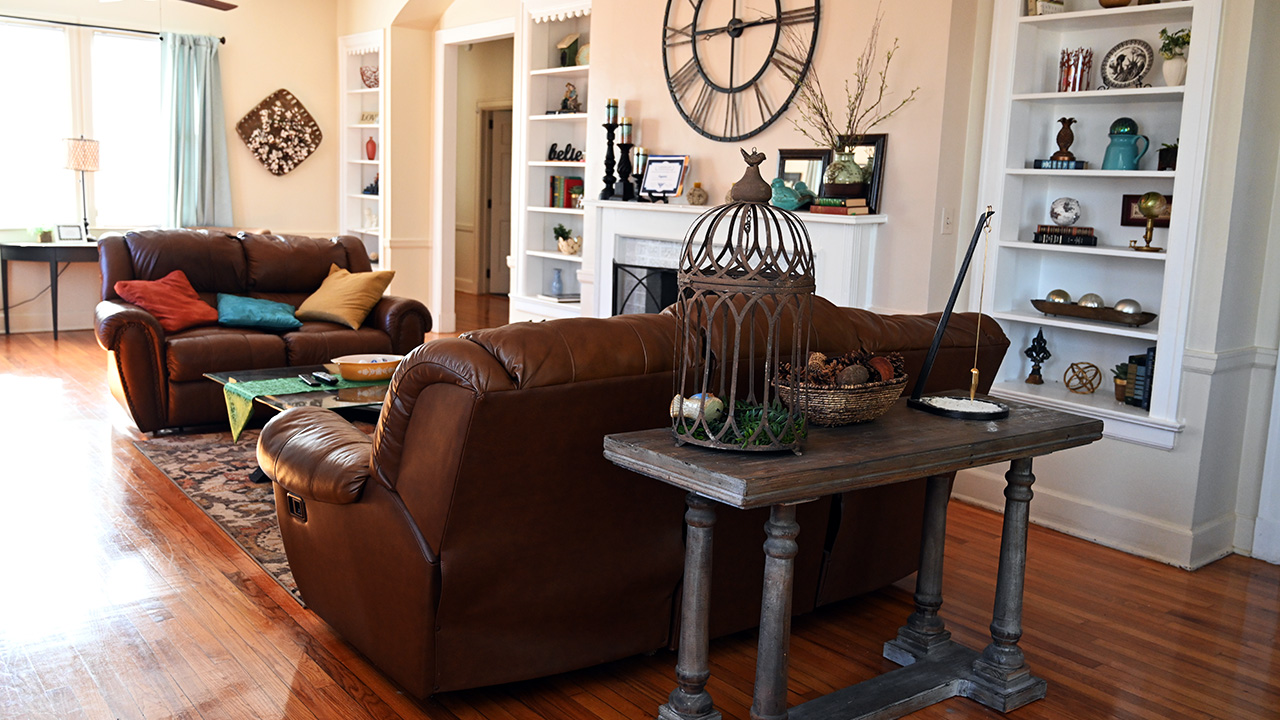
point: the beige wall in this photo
(484, 77)
(912, 274)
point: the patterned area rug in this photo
(214, 473)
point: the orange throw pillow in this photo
(171, 299)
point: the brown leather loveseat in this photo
(159, 376)
(480, 536)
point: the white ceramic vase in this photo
(1175, 71)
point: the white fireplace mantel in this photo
(843, 246)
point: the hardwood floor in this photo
(119, 598)
(476, 312)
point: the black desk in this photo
(52, 253)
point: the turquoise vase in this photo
(557, 283)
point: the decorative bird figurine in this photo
(783, 196)
(806, 195)
(1064, 140)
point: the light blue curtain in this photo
(199, 178)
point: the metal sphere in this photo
(1058, 296)
(1152, 205)
(1091, 300)
(1129, 306)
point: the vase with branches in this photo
(867, 104)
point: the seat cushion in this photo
(195, 352)
(320, 342)
(171, 299)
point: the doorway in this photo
(494, 229)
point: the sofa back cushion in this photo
(212, 263)
(293, 264)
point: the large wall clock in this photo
(732, 69)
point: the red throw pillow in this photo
(171, 299)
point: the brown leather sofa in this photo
(159, 376)
(480, 536)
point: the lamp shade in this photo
(82, 154)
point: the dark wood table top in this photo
(901, 445)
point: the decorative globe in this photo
(1058, 296)
(1129, 306)
(1065, 211)
(1152, 205)
(1091, 300)
(1124, 126)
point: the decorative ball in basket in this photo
(852, 388)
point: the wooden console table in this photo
(52, 253)
(902, 445)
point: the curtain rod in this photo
(221, 40)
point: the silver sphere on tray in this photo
(1091, 300)
(1065, 211)
(1058, 296)
(1129, 306)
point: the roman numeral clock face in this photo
(732, 66)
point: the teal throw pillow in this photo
(247, 312)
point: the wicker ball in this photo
(1082, 377)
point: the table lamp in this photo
(82, 156)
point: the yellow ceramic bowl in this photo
(367, 367)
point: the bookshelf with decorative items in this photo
(360, 69)
(1076, 96)
(547, 250)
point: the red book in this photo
(835, 210)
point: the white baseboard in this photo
(466, 285)
(1266, 540)
(1112, 527)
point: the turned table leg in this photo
(769, 701)
(925, 631)
(690, 700)
(1002, 678)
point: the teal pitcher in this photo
(1123, 152)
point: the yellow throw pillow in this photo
(345, 297)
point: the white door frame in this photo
(445, 156)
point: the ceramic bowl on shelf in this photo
(376, 366)
(369, 75)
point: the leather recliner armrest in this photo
(314, 453)
(135, 341)
(113, 317)
(405, 320)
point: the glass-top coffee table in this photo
(358, 402)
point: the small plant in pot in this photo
(565, 242)
(1173, 48)
(1121, 373)
(1168, 156)
(43, 234)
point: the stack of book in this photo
(565, 191)
(1064, 235)
(1061, 165)
(1137, 389)
(839, 206)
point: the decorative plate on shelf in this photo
(1126, 65)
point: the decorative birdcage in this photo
(746, 286)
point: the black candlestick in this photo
(607, 192)
(624, 189)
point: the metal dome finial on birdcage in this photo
(746, 286)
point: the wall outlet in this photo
(947, 225)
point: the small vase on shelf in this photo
(1174, 71)
(557, 283)
(371, 149)
(844, 176)
(698, 196)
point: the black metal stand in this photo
(915, 401)
(607, 192)
(84, 206)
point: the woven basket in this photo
(832, 406)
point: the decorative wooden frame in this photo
(280, 132)
(822, 156)
(1131, 216)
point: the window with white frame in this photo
(66, 82)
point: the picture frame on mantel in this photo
(804, 164)
(871, 149)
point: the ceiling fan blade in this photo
(215, 4)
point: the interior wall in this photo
(484, 77)
(627, 38)
(256, 60)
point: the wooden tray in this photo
(1105, 314)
